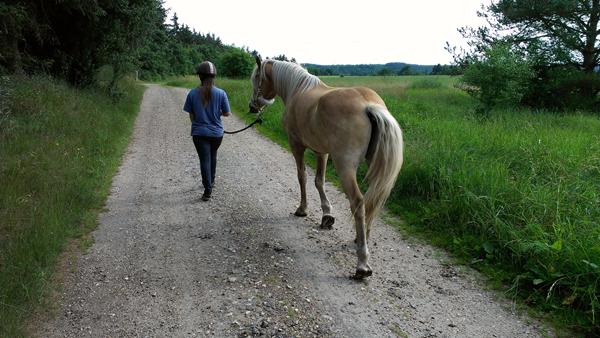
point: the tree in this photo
(406, 70)
(385, 72)
(556, 37)
(14, 19)
(78, 39)
(73, 39)
(445, 70)
(566, 30)
(281, 57)
(175, 49)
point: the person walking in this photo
(205, 105)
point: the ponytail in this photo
(206, 84)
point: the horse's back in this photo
(349, 99)
(330, 120)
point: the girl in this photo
(206, 104)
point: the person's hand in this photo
(226, 113)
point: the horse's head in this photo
(263, 91)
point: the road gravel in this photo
(166, 264)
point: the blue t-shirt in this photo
(207, 120)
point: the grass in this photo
(60, 148)
(515, 194)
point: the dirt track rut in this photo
(166, 264)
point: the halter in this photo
(258, 97)
(258, 119)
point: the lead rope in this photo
(258, 120)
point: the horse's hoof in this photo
(300, 213)
(362, 273)
(327, 222)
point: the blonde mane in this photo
(290, 78)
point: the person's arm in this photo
(188, 107)
(225, 109)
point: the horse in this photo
(346, 124)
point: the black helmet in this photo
(206, 68)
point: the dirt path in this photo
(166, 264)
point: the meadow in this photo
(59, 149)
(514, 194)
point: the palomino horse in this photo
(348, 124)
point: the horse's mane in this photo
(290, 78)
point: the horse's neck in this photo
(287, 84)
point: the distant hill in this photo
(392, 68)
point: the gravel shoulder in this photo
(166, 264)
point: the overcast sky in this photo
(335, 31)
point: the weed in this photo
(60, 148)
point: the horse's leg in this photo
(327, 220)
(347, 173)
(298, 151)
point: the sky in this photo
(335, 31)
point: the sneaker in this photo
(205, 197)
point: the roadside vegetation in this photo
(60, 148)
(514, 194)
(67, 105)
(502, 164)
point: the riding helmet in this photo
(206, 68)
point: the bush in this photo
(236, 64)
(563, 87)
(500, 78)
(426, 84)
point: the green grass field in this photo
(515, 194)
(59, 149)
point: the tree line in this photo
(543, 54)
(83, 40)
(75, 39)
(388, 69)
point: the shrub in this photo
(236, 64)
(498, 79)
(426, 84)
(563, 87)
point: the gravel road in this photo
(166, 264)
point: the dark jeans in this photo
(207, 152)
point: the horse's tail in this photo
(384, 156)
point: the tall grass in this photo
(59, 148)
(519, 192)
(516, 194)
